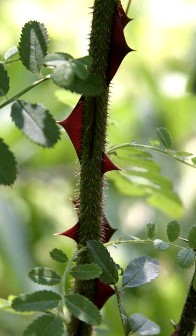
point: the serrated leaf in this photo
(141, 325)
(33, 45)
(10, 52)
(160, 245)
(151, 230)
(83, 309)
(140, 271)
(192, 237)
(44, 276)
(85, 271)
(186, 258)
(58, 255)
(8, 169)
(101, 256)
(173, 230)
(164, 137)
(37, 301)
(45, 325)
(4, 81)
(35, 122)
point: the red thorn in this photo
(103, 293)
(106, 231)
(71, 233)
(73, 125)
(119, 48)
(108, 165)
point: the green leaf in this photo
(37, 301)
(173, 230)
(160, 245)
(54, 60)
(151, 230)
(44, 276)
(85, 271)
(83, 309)
(192, 237)
(33, 45)
(4, 81)
(164, 137)
(58, 255)
(140, 271)
(101, 256)
(186, 258)
(194, 160)
(8, 170)
(45, 325)
(35, 122)
(10, 52)
(141, 325)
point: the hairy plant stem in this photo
(93, 146)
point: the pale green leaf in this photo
(54, 60)
(141, 325)
(33, 45)
(45, 325)
(10, 52)
(173, 230)
(151, 230)
(58, 255)
(186, 258)
(100, 255)
(8, 169)
(140, 271)
(160, 245)
(83, 309)
(35, 122)
(44, 276)
(85, 271)
(37, 301)
(164, 137)
(4, 81)
(192, 237)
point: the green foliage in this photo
(10, 53)
(35, 122)
(58, 255)
(194, 281)
(100, 255)
(37, 301)
(33, 45)
(186, 258)
(160, 245)
(85, 271)
(192, 237)
(173, 230)
(45, 325)
(8, 169)
(44, 276)
(139, 324)
(151, 230)
(83, 309)
(140, 271)
(164, 137)
(4, 81)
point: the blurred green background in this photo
(155, 86)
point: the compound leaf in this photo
(44, 276)
(35, 122)
(101, 256)
(186, 258)
(37, 301)
(33, 45)
(58, 255)
(85, 271)
(8, 170)
(4, 81)
(83, 309)
(173, 230)
(45, 325)
(140, 271)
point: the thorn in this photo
(103, 293)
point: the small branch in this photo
(135, 241)
(28, 88)
(120, 308)
(148, 147)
